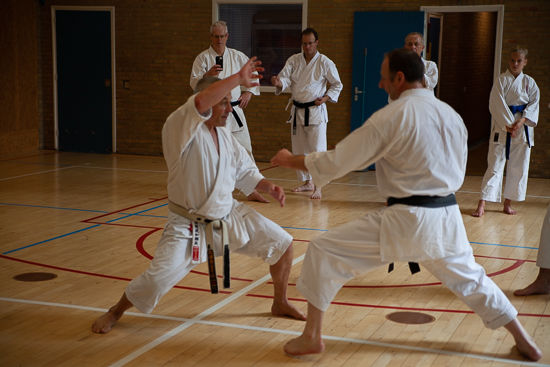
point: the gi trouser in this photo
(172, 261)
(308, 139)
(354, 249)
(543, 257)
(517, 170)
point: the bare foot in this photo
(104, 323)
(541, 285)
(256, 196)
(288, 309)
(308, 186)
(301, 346)
(316, 193)
(528, 348)
(508, 207)
(524, 343)
(480, 209)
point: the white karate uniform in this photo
(202, 181)
(308, 82)
(233, 61)
(419, 146)
(510, 91)
(430, 74)
(543, 256)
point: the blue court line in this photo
(86, 210)
(51, 239)
(492, 244)
(128, 215)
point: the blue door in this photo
(84, 85)
(375, 33)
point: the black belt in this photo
(235, 114)
(425, 202)
(306, 117)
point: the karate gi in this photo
(308, 82)
(430, 74)
(202, 182)
(233, 61)
(510, 91)
(543, 256)
(419, 146)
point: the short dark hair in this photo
(205, 82)
(310, 31)
(406, 61)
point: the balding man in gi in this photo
(415, 41)
(205, 164)
(232, 61)
(307, 74)
(419, 146)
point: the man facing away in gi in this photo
(232, 60)
(307, 75)
(205, 164)
(419, 146)
(514, 107)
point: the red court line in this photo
(394, 307)
(265, 169)
(96, 274)
(121, 210)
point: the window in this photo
(272, 31)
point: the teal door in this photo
(375, 33)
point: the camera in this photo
(219, 61)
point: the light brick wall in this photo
(157, 41)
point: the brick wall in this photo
(157, 41)
(18, 65)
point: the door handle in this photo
(357, 91)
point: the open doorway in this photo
(467, 42)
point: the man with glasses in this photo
(208, 64)
(307, 74)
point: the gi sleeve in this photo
(363, 147)
(430, 77)
(333, 78)
(179, 129)
(284, 76)
(248, 176)
(498, 106)
(531, 112)
(200, 67)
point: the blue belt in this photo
(514, 110)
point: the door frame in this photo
(110, 9)
(499, 9)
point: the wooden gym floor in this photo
(93, 221)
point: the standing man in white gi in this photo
(307, 75)
(514, 107)
(419, 146)
(415, 41)
(233, 60)
(205, 164)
